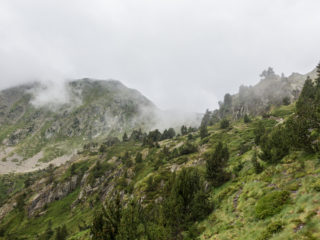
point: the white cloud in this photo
(180, 53)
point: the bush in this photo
(138, 158)
(286, 101)
(271, 204)
(98, 171)
(246, 119)
(259, 131)
(293, 186)
(188, 148)
(316, 186)
(61, 233)
(244, 147)
(274, 145)
(224, 124)
(20, 200)
(256, 165)
(272, 228)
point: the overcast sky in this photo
(179, 53)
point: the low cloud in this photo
(180, 54)
(51, 93)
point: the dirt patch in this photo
(30, 164)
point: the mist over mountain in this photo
(41, 122)
(159, 120)
(272, 90)
(82, 166)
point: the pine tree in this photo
(136, 135)
(203, 131)
(286, 101)
(126, 159)
(318, 75)
(21, 202)
(298, 133)
(224, 124)
(216, 163)
(184, 130)
(246, 119)
(305, 106)
(186, 203)
(138, 157)
(259, 131)
(206, 119)
(274, 145)
(227, 101)
(171, 133)
(130, 220)
(48, 232)
(317, 100)
(257, 166)
(125, 137)
(106, 224)
(61, 233)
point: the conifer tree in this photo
(131, 218)
(216, 163)
(61, 233)
(171, 133)
(305, 106)
(246, 119)
(224, 124)
(125, 137)
(259, 131)
(187, 202)
(203, 131)
(138, 157)
(184, 130)
(256, 165)
(206, 119)
(106, 224)
(274, 145)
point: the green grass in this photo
(280, 203)
(58, 213)
(283, 111)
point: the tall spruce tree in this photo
(203, 131)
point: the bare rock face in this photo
(271, 90)
(6, 208)
(51, 193)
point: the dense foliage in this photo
(256, 180)
(216, 163)
(185, 202)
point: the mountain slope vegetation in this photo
(35, 131)
(249, 176)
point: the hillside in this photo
(254, 176)
(272, 89)
(36, 130)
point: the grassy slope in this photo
(234, 214)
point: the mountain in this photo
(272, 89)
(256, 177)
(44, 124)
(36, 127)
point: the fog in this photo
(181, 54)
